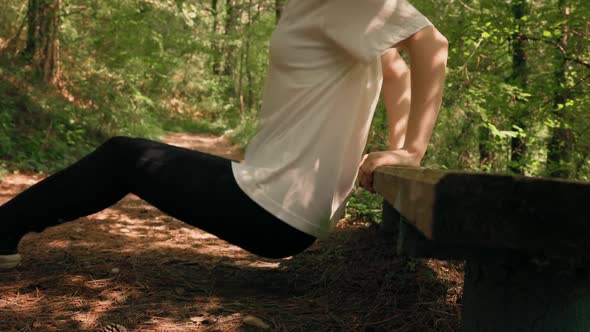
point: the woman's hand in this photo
(384, 158)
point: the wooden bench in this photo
(526, 242)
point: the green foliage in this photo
(484, 107)
(11, 14)
(364, 205)
(39, 134)
(143, 67)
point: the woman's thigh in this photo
(199, 189)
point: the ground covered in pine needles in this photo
(131, 267)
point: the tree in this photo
(231, 21)
(216, 65)
(279, 4)
(520, 79)
(42, 49)
(560, 147)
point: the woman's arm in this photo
(396, 96)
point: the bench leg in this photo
(504, 292)
(390, 219)
(412, 243)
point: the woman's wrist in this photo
(417, 151)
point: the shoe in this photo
(9, 261)
(9, 257)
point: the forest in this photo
(75, 72)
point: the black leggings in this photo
(194, 187)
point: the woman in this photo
(329, 60)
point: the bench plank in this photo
(533, 215)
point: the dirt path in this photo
(134, 266)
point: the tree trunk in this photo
(42, 49)
(214, 13)
(279, 4)
(249, 96)
(215, 61)
(486, 157)
(485, 154)
(520, 78)
(231, 18)
(561, 143)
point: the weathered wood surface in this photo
(533, 215)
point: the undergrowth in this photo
(45, 129)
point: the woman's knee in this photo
(442, 42)
(428, 36)
(393, 65)
(118, 142)
(118, 148)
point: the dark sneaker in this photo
(9, 257)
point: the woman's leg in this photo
(194, 187)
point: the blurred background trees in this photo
(74, 72)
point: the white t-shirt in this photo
(322, 88)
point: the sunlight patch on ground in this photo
(20, 179)
(19, 302)
(259, 264)
(12, 184)
(217, 145)
(59, 244)
(90, 318)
